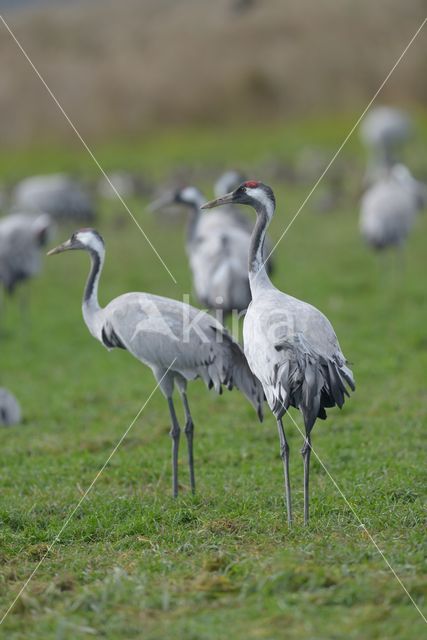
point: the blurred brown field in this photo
(123, 68)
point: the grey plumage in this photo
(217, 246)
(389, 208)
(10, 411)
(290, 345)
(292, 348)
(153, 330)
(22, 238)
(177, 341)
(59, 195)
(127, 184)
(384, 131)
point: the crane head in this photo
(253, 193)
(189, 196)
(83, 239)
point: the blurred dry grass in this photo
(123, 68)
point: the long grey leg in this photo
(306, 451)
(174, 433)
(284, 454)
(189, 432)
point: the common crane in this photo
(389, 208)
(384, 130)
(290, 346)
(217, 246)
(58, 195)
(177, 341)
(217, 251)
(22, 237)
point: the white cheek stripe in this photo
(190, 193)
(89, 240)
(261, 196)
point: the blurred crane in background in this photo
(10, 411)
(217, 246)
(389, 208)
(384, 131)
(126, 183)
(22, 238)
(217, 252)
(58, 195)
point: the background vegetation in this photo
(122, 68)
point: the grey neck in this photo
(257, 270)
(90, 296)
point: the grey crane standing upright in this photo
(22, 237)
(217, 251)
(384, 130)
(290, 346)
(217, 246)
(178, 342)
(389, 208)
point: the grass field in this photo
(133, 562)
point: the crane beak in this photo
(65, 246)
(218, 202)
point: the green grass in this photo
(133, 563)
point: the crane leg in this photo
(306, 451)
(174, 433)
(284, 454)
(189, 433)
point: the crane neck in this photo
(90, 296)
(258, 276)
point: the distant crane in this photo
(217, 251)
(10, 411)
(59, 195)
(127, 184)
(290, 346)
(178, 342)
(389, 208)
(217, 246)
(22, 237)
(384, 130)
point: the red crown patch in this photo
(252, 184)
